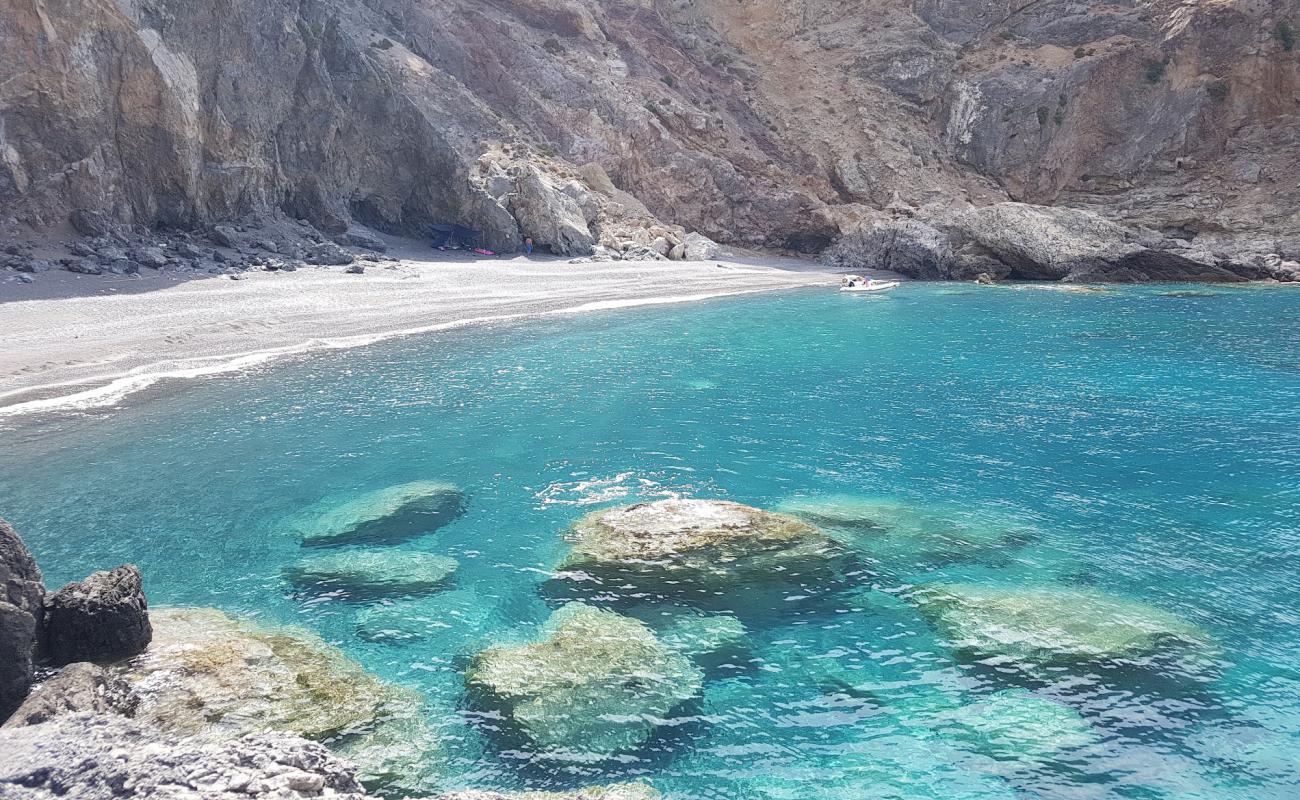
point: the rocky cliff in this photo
(773, 123)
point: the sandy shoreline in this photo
(68, 352)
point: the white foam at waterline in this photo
(142, 378)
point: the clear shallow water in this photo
(1150, 442)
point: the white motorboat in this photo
(857, 283)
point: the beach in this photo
(76, 349)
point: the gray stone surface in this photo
(98, 757)
(22, 596)
(77, 688)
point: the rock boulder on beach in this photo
(595, 684)
(102, 618)
(384, 516)
(368, 573)
(1051, 625)
(694, 546)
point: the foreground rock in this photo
(103, 618)
(78, 688)
(595, 684)
(22, 599)
(696, 547)
(217, 678)
(97, 757)
(1052, 626)
(367, 573)
(388, 515)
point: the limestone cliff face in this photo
(776, 123)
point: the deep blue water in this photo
(1148, 437)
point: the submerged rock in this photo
(1009, 725)
(595, 684)
(371, 572)
(102, 757)
(617, 791)
(391, 514)
(899, 534)
(22, 609)
(103, 618)
(214, 677)
(77, 688)
(455, 618)
(696, 546)
(1051, 625)
(712, 642)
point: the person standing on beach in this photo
(528, 245)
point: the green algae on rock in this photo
(1051, 625)
(388, 515)
(893, 532)
(209, 675)
(697, 545)
(596, 683)
(373, 572)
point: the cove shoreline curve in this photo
(84, 352)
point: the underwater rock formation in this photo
(22, 609)
(712, 642)
(617, 791)
(365, 573)
(212, 676)
(896, 534)
(696, 547)
(78, 688)
(594, 684)
(460, 614)
(102, 618)
(1015, 725)
(1055, 625)
(388, 515)
(105, 757)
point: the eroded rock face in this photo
(102, 618)
(1056, 625)
(697, 545)
(765, 123)
(93, 757)
(592, 685)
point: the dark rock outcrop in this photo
(22, 596)
(96, 757)
(102, 618)
(77, 688)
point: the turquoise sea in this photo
(1143, 442)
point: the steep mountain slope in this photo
(778, 123)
